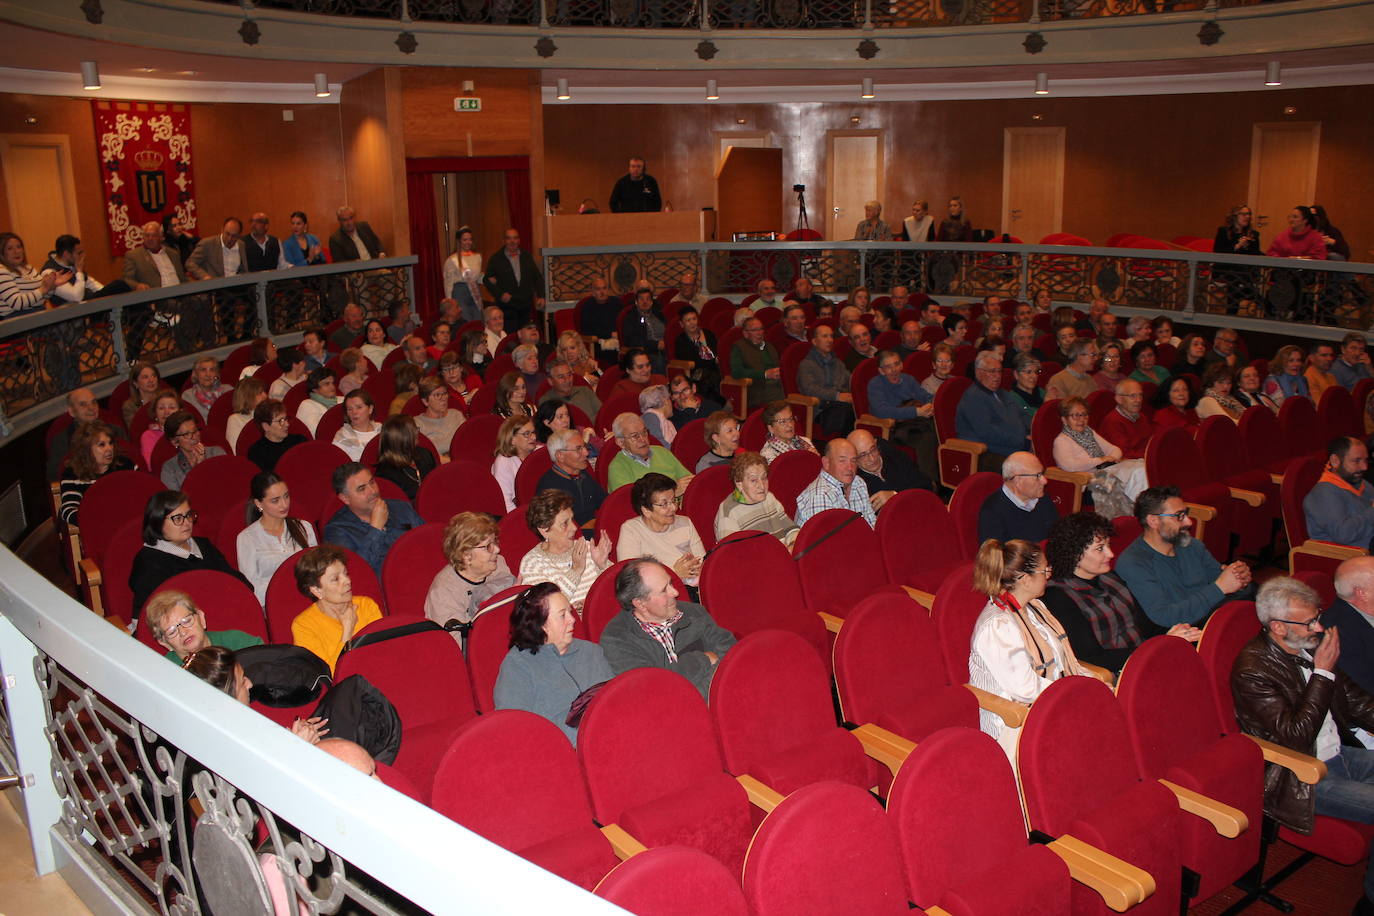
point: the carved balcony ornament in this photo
(1034, 43)
(406, 42)
(249, 32)
(706, 49)
(867, 49)
(95, 13)
(1210, 33)
(545, 47)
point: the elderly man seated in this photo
(367, 524)
(1353, 612)
(884, 469)
(82, 407)
(1288, 689)
(756, 359)
(1076, 379)
(570, 473)
(1127, 427)
(1340, 508)
(822, 375)
(178, 625)
(1018, 509)
(638, 457)
(654, 630)
(563, 386)
(895, 395)
(1170, 572)
(990, 415)
(838, 486)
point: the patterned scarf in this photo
(1087, 441)
(662, 633)
(1229, 404)
(1106, 604)
(1048, 666)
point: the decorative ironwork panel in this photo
(182, 325)
(570, 276)
(167, 828)
(296, 304)
(1067, 276)
(1052, 10)
(55, 359)
(1305, 295)
(9, 760)
(499, 12)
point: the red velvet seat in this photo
(227, 537)
(1222, 450)
(770, 702)
(965, 505)
(1179, 736)
(218, 420)
(956, 460)
(516, 538)
(827, 848)
(623, 742)
(534, 467)
(962, 835)
(110, 505)
(411, 565)
(749, 583)
(789, 474)
(1339, 415)
(752, 433)
(1172, 459)
(475, 440)
(674, 881)
(284, 601)
(487, 644)
(1260, 431)
(838, 561)
(108, 583)
(703, 498)
(914, 537)
(890, 671)
(425, 678)
(1079, 776)
(512, 777)
(227, 603)
(459, 486)
(1302, 428)
(614, 512)
(252, 432)
(308, 469)
(332, 421)
(690, 443)
(217, 486)
(613, 408)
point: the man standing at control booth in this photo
(636, 192)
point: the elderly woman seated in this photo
(1103, 621)
(1116, 483)
(721, 432)
(178, 625)
(337, 614)
(573, 351)
(168, 547)
(1218, 399)
(277, 437)
(438, 421)
(1174, 407)
(526, 359)
(660, 532)
(563, 557)
(183, 430)
(218, 667)
(655, 409)
(515, 441)
(751, 507)
(782, 432)
(546, 668)
(1018, 647)
(92, 455)
(475, 572)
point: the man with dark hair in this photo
(1171, 573)
(367, 524)
(1340, 508)
(791, 330)
(563, 386)
(638, 369)
(515, 281)
(895, 395)
(599, 314)
(637, 191)
(1353, 364)
(654, 630)
(222, 255)
(1318, 373)
(645, 327)
(688, 404)
(315, 347)
(68, 260)
(823, 376)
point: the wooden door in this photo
(855, 177)
(1032, 182)
(1283, 171)
(728, 138)
(41, 193)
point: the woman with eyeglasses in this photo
(476, 571)
(1116, 483)
(563, 556)
(168, 548)
(277, 437)
(183, 429)
(1018, 647)
(781, 424)
(438, 422)
(1237, 236)
(1109, 371)
(515, 441)
(272, 534)
(659, 532)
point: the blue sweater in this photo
(1177, 589)
(885, 399)
(545, 683)
(347, 530)
(1339, 516)
(990, 417)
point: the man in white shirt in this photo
(153, 265)
(494, 331)
(689, 290)
(768, 296)
(69, 257)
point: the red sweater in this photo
(1130, 437)
(1307, 245)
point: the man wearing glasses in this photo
(569, 474)
(638, 457)
(1171, 573)
(1018, 509)
(1288, 689)
(989, 415)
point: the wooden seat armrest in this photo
(807, 405)
(1201, 512)
(741, 382)
(920, 597)
(1276, 479)
(1120, 884)
(869, 419)
(1249, 497)
(888, 748)
(1228, 822)
(1328, 550)
(761, 796)
(1308, 769)
(965, 445)
(1012, 712)
(936, 911)
(832, 623)
(1097, 671)
(90, 571)
(686, 365)
(621, 842)
(1077, 478)
(805, 400)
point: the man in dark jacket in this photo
(515, 282)
(1287, 689)
(1353, 612)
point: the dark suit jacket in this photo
(207, 261)
(139, 267)
(342, 248)
(1357, 643)
(500, 279)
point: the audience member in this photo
(153, 265)
(822, 376)
(838, 486)
(82, 407)
(367, 524)
(67, 262)
(599, 315)
(356, 369)
(656, 410)
(645, 327)
(178, 625)
(438, 422)
(301, 248)
(941, 367)
(860, 345)
(781, 424)
(404, 323)
(636, 191)
(475, 571)
(292, 364)
(563, 556)
(1018, 509)
(354, 240)
(563, 387)
(322, 394)
(658, 531)
(1127, 426)
(1147, 368)
(955, 227)
(1300, 239)
(400, 457)
(751, 507)
(263, 251)
(183, 430)
(348, 333)
(222, 255)
(1249, 390)
(894, 395)
(328, 625)
(1319, 375)
(1170, 572)
(1116, 482)
(207, 387)
(654, 630)
(688, 404)
(92, 455)
(569, 474)
(515, 441)
(376, 345)
(407, 387)
(689, 290)
(164, 404)
(911, 342)
(359, 428)
(885, 470)
(1174, 407)
(1109, 372)
(756, 359)
(1353, 363)
(272, 534)
(144, 382)
(1353, 612)
(515, 282)
(1076, 378)
(277, 437)
(463, 277)
(168, 548)
(638, 374)
(1340, 508)
(1025, 389)
(1192, 356)
(461, 378)
(721, 432)
(989, 415)
(1217, 399)
(637, 456)
(416, 353)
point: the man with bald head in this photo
(1018, 509)
(351, 753)
(838, 486)
(1128, 427)
(153, 265)
(884, 469)
(263, 248)
(689, 290)
(1353, 612)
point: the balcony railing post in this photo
(1190, 306)
(117, 340)
(868, 15)
(24, 702)
(260, 289)
(705, 15)
(1035, 12)
(1025, 276)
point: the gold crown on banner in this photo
(149, 160)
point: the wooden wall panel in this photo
(374, 156)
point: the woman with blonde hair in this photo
(355, 367)
(515, 441)
(573, 350)
(248, 394)
(1018, 647)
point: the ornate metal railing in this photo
(148, 788)
(1322, 294)
(46, 354)
(740, 14)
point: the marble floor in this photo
(22, 893)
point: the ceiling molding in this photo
(152, 89)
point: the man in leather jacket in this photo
(1287, 689)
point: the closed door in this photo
(38, 183)
(1283, 171)
(856, 167)
(1032, 182)
(728, 138)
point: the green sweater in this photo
(226, 639)
(625, 469)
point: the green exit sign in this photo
(467, 104)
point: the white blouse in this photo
(504, 469)
(667, 547)
(354, 441)
(377, 353)
(260, 554)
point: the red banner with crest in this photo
(145, 165)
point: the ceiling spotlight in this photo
(563, 93)
(1271, 74)
(741, 121)
(1290, 109)
(867, 92)
(712, 93)
(854, 119)
(1042, 84)
(90, 76)
(322, 86)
